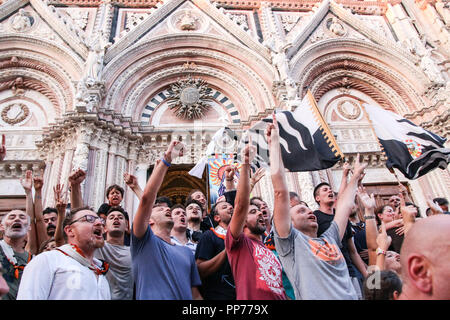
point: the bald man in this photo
(425, 257)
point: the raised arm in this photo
(229, 177)
(408, 214)
(75, 180)
(242, 201)
(131, 181)
(346, 200)
(60, 204)
(41, 232)
(347, 168)
(281, 215)
(369, 204)
(434, 206)
(144, 210)
(383, 242)
(27, 184)
(254, 179)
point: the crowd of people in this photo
(240, 250)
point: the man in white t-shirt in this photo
(70, 272)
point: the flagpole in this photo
(324, 126)
(391, 170)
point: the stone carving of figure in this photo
(291, 88)
(188, 21)
(336, 27)
(279, 58)
(80, 157)
(94, 62)
(430, 68)
(21, 22)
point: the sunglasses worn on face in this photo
(89, 218)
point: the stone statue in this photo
(430, 68)
(94, 61)
(21, 22)
(279, 58)
(336, 27)
(188, 21)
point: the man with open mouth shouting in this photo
(70, 272)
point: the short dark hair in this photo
(177, 206)
(114, 187)
(196, 202)
(69, 218)
(379, 210)
(189, 196)
(441, 201)
(316, 189)
(252, 200)
(389, 282)
(214, 208)
(119, 209)
(418, 209)
(49, 210)
(44, 244)
(293, 194)
(165, 200)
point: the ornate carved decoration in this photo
(190, 97)
(240, 19)
(22, 21)
(349, 109)
(289, 21)
(80, 18)
(336, 26)
(188, 21)
(15, 113)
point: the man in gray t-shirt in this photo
(314, 265)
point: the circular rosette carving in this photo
(189, 98)
(349, 109)
(15, 113)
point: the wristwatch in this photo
(369, 217)
(380, 251)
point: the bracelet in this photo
(380, 251)
(369, 217)
(165, 162)
(229, 179)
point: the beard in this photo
(98, 243)
(51, 229)
(15, 234)
(257, 229)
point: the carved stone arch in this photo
(37, 81)
(373, 87)
(136, 72)
(161, 97)
(55, 67)
(366, 59)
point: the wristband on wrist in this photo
(380, 251)
(369, 217)
(165, 162)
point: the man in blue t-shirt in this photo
(162, 270)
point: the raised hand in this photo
(347, 168)
(38, 181)
(27, 181)
(3, 148)
(130, 180)
(358, 168)
(248, 153)
(272, 131)
(383, 240)
(435, 208)
(175, 149)
(60, 199)
(367, 201)
(256, 177)
(229, 172)
(77, 177)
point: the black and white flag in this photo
(306, 141)
(409, 148)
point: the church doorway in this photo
(178, 183)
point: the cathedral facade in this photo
(105, 85)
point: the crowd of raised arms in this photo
(240, 250)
